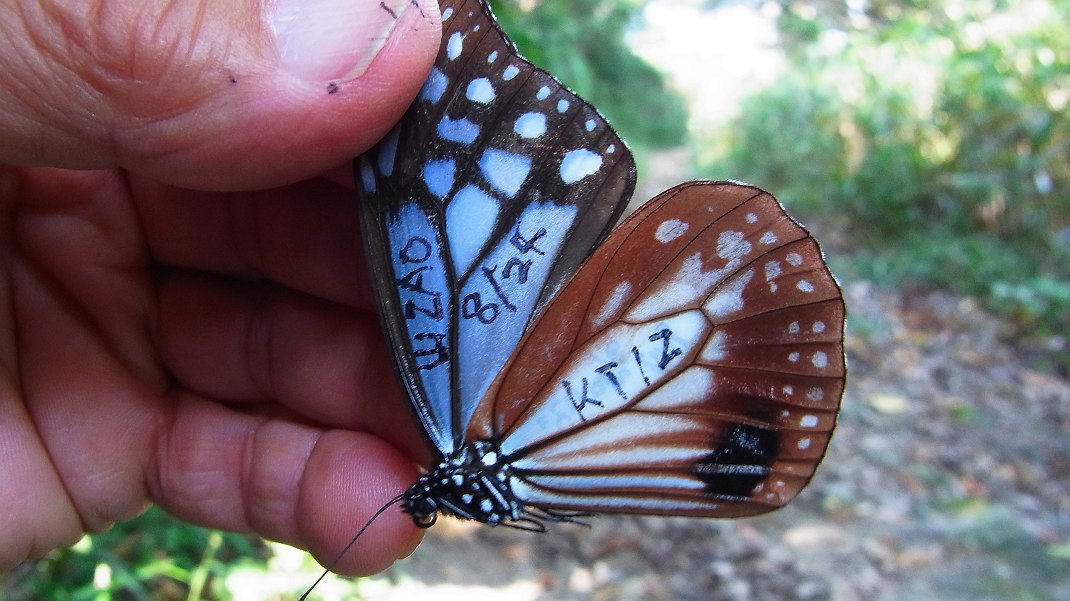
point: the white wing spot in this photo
(611, 149)
(732, 245)
(589, 125)
(820, 360)
(462, 131)
(752, 218)
(613, 303)
(446, 14)
(768, 238)
(506, 171)
(510, 72)
(793, 327)
(480, 90)
(470, 218)
(493, 56)
(543, 93)
(439, 176)
(805, 286)
(794, 259)
(815, 394)
(804, 443)
(818, 327)
(808, 421)
(530, 125)
(435, 86)
(455, 45)
(579, 164)
(729, 298)
(715, 348)
(789, 390)
(772, 270)
(562, 105)
(670, 230)
(793, 357)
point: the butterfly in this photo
(689, 362)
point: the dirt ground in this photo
(948, 478)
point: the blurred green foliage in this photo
(935, 136)
(581, 42)
(151, 557)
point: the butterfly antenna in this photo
(345, 550)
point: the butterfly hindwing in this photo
(489, 193)
(692, 366)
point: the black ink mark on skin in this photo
(416, 3)
(332, 88)
(739, 462)
(393, 15)
(231, 78)
(584, 399)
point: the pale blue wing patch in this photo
(425, 303)
(440, 176)
(614, 370)
(496, 299)
(470, 220)
(505, 171)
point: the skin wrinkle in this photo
(28, 396)
(245, 475)
(152, 362)
(261, 351)
(252, 515)
(9, 189)
(46, 101)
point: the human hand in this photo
(187, 317)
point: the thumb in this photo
(208, 94)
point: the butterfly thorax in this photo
(472, 483)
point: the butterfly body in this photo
(690, 362)
(473, 483)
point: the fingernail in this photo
(332, 40)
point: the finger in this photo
(258, 344)
(292, 483)
(38, 515)
(304, 236)
(210, 95)
(325, 362)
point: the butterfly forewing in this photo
(485, 198)
(694, 365)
